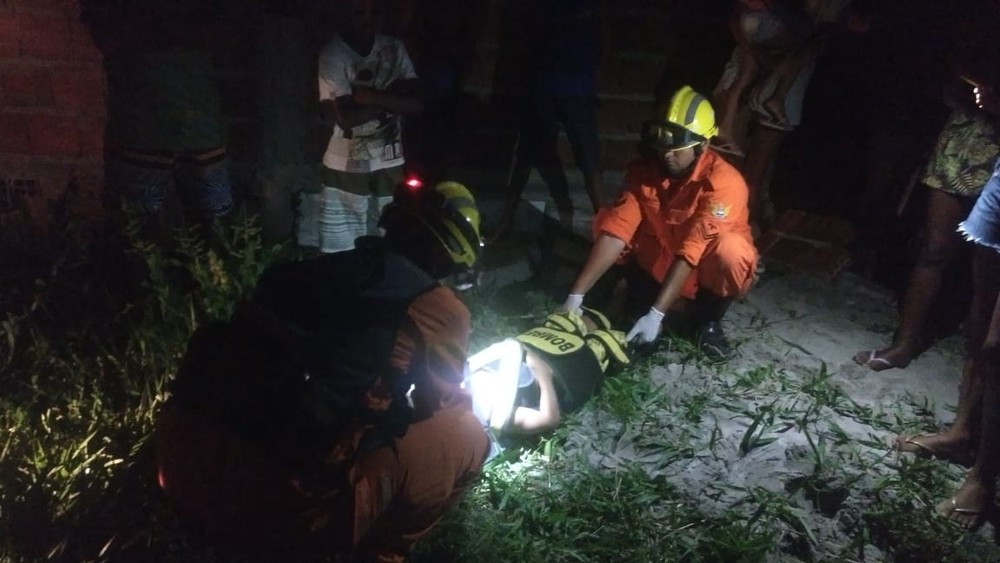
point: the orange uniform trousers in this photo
(394, 495)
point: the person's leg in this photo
(207, 179)
(763, 147)
(147, 189)
(958, 443)
(522, 162)
(579, 119)
(224, 486)
(725, 273)
(785, 89)
(940, 244)
(401, 492)
(343, 210)
(383, 184)
(206, 193)
(549, 112)
(974, 500)
(727, 99)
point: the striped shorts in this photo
(347, 206)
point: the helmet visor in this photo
(666, 136)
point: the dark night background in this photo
(871, 115)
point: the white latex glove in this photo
(573, 303)
(647, 328)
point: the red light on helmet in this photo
(413, 183)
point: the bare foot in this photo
(971, 505)
(941, 446)
(880, 360)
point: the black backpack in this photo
(291, 368)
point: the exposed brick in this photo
(9, 50)
(80, 91)
(26, 88)
(52, 135)
(46, 36)
(9, 26)
(9, 23)
(92, 138)
(40, 5)
(84, 46)
(14, 134)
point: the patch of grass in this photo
(83, 372)
(645, 472)
(562, 509)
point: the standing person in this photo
(567, 47)
(958, 169)
(328, 417)
(165, 122)
(777, 45)
(972, 439)
(366, 83)
(974, 501)
(681, 225)
(441, 37)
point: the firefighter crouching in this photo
(327, 419)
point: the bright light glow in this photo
(979, 97)
(493, 381)
(414, 183)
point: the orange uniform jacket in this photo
(661, 219)
(396, 493)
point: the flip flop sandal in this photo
(875, 362)
(979, 516)
(927, 452)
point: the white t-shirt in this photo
(376, 144)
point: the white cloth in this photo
(376, 144)
(333, 219)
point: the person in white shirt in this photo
(366, 84)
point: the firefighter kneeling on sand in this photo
(328, 419)
(680, 228)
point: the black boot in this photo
(708, 312)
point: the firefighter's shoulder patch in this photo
(719, 210)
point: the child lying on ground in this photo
(526, 383)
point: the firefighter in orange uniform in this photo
(221, 450)
(681, 223)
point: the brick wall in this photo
(52, 113)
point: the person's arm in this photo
(346, 113)
(674, 280)
(399, 98)
(546, 416)
(366, 104)
(602, 256)
(647, 328)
